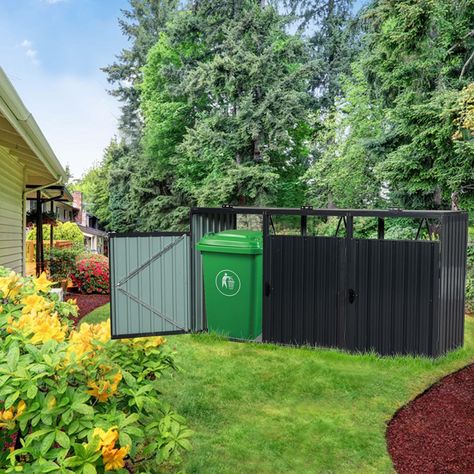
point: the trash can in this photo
(232, 265)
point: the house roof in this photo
(21, 136)
(92, 231)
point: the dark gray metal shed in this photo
(390, 296)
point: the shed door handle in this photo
(352, 295)
(268, 289)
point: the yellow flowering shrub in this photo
(74, 400)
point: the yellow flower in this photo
(41, 327)
(21, 408)
(83, 341)
(114, 458)
(11, 285)
(35, 303)
(107, 438)
(8, 417)
(103, 389)
(42, 283)
(1, 309)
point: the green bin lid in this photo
(232, 241)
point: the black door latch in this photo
(268, 289)
(352, 295)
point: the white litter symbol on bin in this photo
(228, 282)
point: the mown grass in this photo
(102, 313)
(266, 409)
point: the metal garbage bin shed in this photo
(232, 266)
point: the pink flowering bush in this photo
(91, 274)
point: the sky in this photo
(52, 51)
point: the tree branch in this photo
(452, 48)
(466, 65)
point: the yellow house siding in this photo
(11, 212)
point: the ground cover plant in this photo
(74, 401)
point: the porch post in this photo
(39, 228)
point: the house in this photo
(29, 170)
(64, 211)
(95, 238)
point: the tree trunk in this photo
(438, 195)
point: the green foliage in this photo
(329, 26)
(78, 401)
(228, 127)
(62, 262)
(61, 231)
(241, 104)
(141, 24)
(400, 135)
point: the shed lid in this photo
(232, 241)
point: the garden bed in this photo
(87, 303)
(435, 432)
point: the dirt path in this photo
(435, 432)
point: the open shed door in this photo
(149, 284)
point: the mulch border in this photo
(427, 390)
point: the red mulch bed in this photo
(87, 303)
(435, 432)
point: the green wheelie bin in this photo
(232, 266)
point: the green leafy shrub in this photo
(91, 274)
(75, 401)
(62, 261)
(61, 231)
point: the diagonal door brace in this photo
(150, 261)
(150, 308)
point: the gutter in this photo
(23, 121)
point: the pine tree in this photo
(330, 28)
(141, 24)
(247, 83)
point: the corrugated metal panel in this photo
(395, 285)
(452, 281)
(201, 224)
(150, 292)
(303, 305)
(11, 212)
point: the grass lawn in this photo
(102, 313)
(267, 409)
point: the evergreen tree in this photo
(330, 28)
(416, 57)
(401, 123)
(242, 87)
(141, 24)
